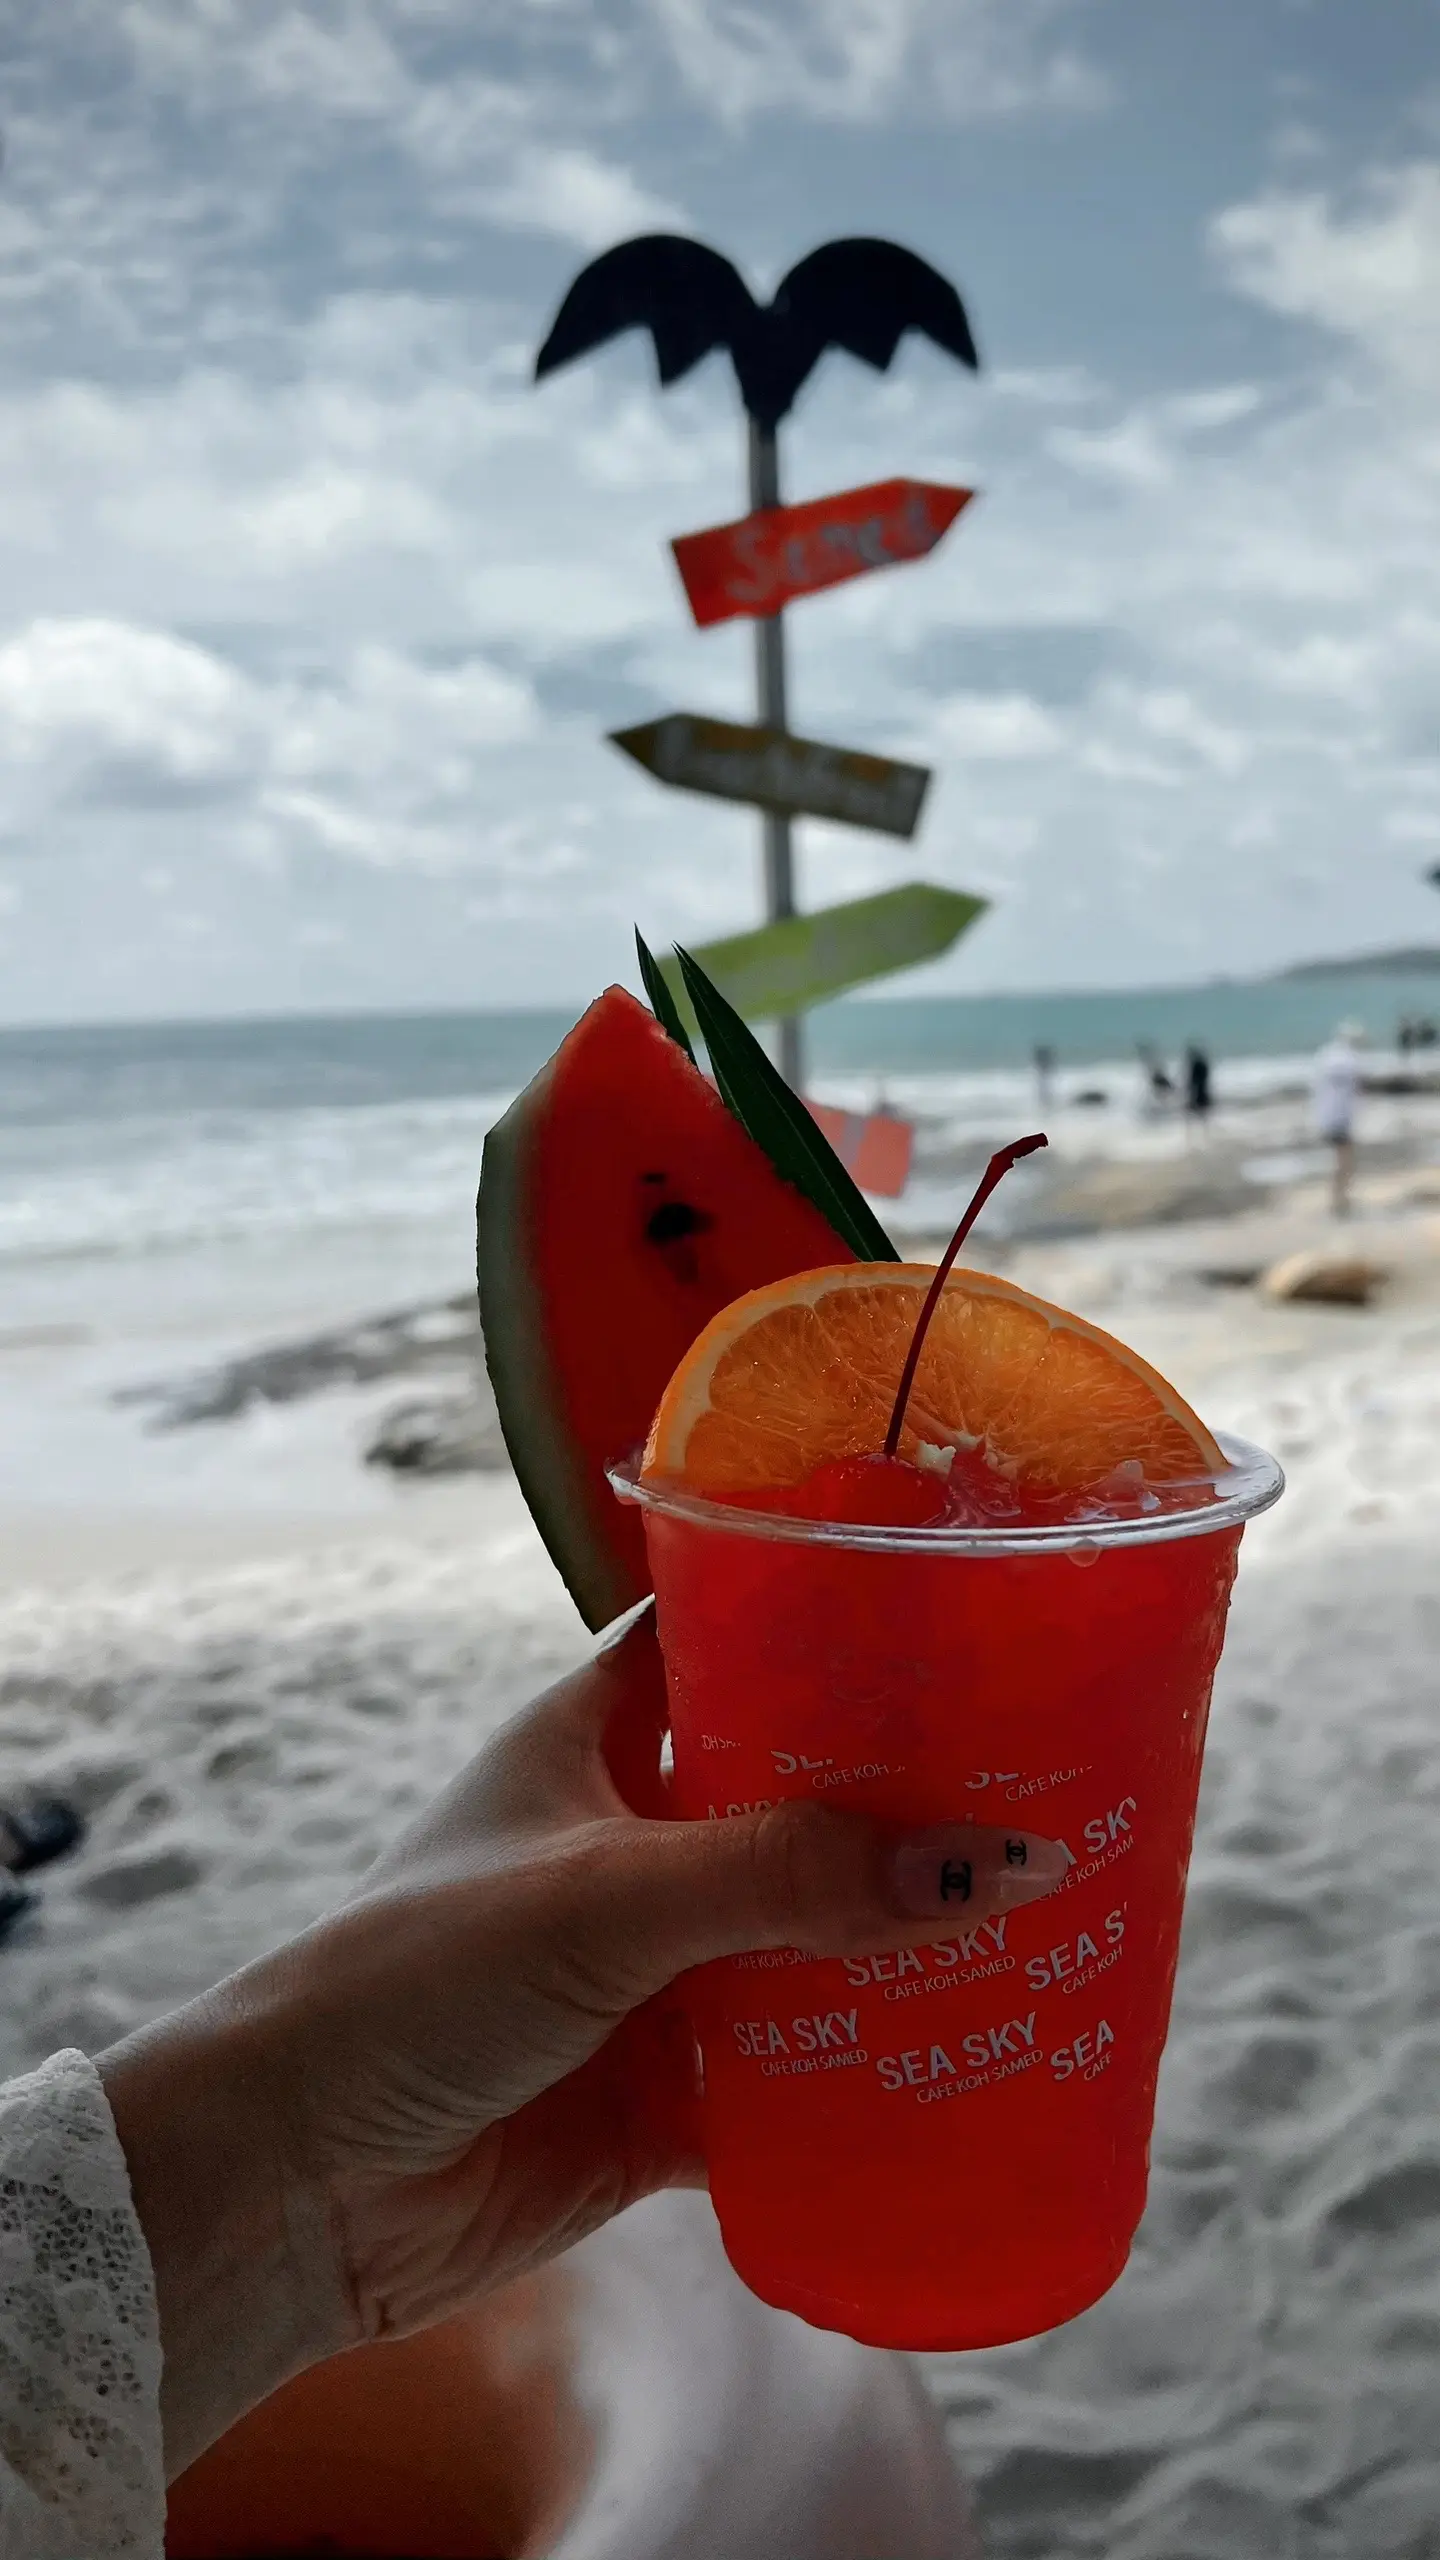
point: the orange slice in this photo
(806, 1369)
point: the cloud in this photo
(216, 156)
(1132, 452)
(857, 61)
(570, 193)
(317, 610)
(995, 728)
(94, 691)
(1366, 268)
(1175, 718)
(1146, 448)
(385, 761)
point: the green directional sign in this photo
(784, 968)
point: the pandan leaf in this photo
(756, 1092)
(662, 1002)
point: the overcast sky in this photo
(314, 611)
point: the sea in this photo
(122, 1145)
(173, 1193)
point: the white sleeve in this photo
(82, 2474)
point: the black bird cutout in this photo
(861, 295)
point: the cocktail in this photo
(923, 1546)
(1013, 1618)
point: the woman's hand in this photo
(456, 2076)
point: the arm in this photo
(445, 2084)
(80, 2451)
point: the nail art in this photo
(941, 1872)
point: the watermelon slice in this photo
(620, 1208)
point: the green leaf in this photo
(756, 1092)
(662, 1002)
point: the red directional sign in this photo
(766, 560)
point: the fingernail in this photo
(937, 1874)
(636, 1622)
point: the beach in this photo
(251, 1658)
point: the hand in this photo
(455, 2076)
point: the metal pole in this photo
(770, 696)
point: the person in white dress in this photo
(1334, 1090)
(432, 2094)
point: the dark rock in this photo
(389, 1346)
(129, 1881)
(441, 1436)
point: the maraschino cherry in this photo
(959, 1487)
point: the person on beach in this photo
(433, 2091)
(1335, 1087)
(1199, 1098)
(1044, 1057)
(1159, 1083)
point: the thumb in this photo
(667, 1895)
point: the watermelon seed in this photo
(675, 1219)
(995, 1171)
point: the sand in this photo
(249, 1703)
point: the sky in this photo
(315, 608)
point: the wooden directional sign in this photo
(772, 770)
(766, 560)
(784, 967)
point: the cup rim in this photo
(1251, 1482)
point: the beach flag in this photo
(874, 1147)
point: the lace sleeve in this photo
(81, 2467)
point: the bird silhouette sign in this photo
(860, 295)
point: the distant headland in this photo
(1412, 960)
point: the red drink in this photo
(948, 2148)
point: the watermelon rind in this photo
(559, 1494)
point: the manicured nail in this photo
(939, 1874)
(637, 1622)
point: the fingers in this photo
(587, 1748)
(652, 1899)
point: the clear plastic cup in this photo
(948, 2148)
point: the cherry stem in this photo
(995, 1172)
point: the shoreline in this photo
(374, 1427)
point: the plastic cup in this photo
(948, 2148)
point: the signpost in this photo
(776, 845)
(768, 768)
(862, 295)
(782, 969)
(765, 561)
